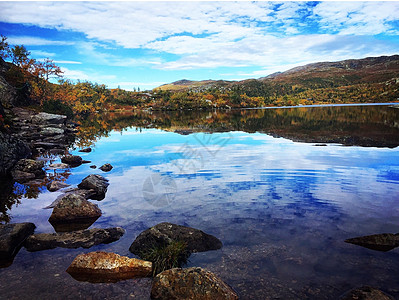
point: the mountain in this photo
(315, 75)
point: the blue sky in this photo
(146, 44)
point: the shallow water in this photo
(281, 206)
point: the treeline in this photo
(82, 98)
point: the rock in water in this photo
(97, 183)
(27, 169)
(11, 238)
(164, 233)
(106, 167)
(74, 208)
(191, 283)
(107, 267)
(56, 185)
(88, 149)
(365, 293)
(379, 242)
(75, 239)
(72, 160)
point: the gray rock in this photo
(76, 239)
(106, 167)
(191, 283)
(26, 169)
(56, 185)
(84, 193)
(379, 242)
(12, 150)
(97, 183)
(12, 236)
(72, 160)
(74, 208)
(51, 131)
(365, 293)
(164, 233)
(46, 118)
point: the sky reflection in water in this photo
(282, 209)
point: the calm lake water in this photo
(281, 188)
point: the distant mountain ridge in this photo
(351, 71)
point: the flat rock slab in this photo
(380, 242)
(107, 267)
(365, 293)
(191, 283)
(97, 183)
(74, 208)
(46, 118)
(76, 239)
(12, 236)
(164, 233)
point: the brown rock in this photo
(56, 185)
(106, 167)
(74, 208)
(107, 267)
(191, 283)
(379, 242)
(88, 149)
(72, 160)
(365, 293)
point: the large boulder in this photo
(97, 183)
(165, 233)
(191, 283)
(107, 267)
(72, 160)
(379, 242)
(365, 293)
(74, 208)
(11, 151)
(27, 169)
(80, 238)
(12, 236)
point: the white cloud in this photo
(34, 41)
(70, 62)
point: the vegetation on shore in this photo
(352, 81)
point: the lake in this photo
(281, 188)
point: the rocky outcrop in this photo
(8, 94)
(107, 267)
(28, 169)
(12, 236)
(191, 283)
(56, 185)
(74, 208)
(76, 239)
(106, 167)
(97, 183)
(365, 293)
(164, 233)
(72, 160)
(12, 149)
(379, 242)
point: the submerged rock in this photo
(106, 167)
(379, 242)
(11, 238)
(191, 283)
(56, 185)
(72, 160)
(27, 169)
(365, 293)
(74, 208)
(164, 233)
(97, 183)
(107, 267)
(88, 149)
(81, 238)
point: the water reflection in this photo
(282, 208)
